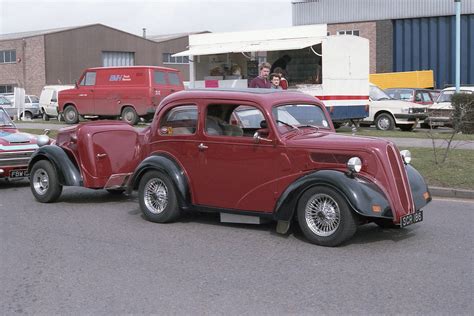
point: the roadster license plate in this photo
(19, 173)
(411, 218)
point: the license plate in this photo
(18, 173)
(411, 218)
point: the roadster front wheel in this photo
(44, 182)
(325, 217)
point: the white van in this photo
(48, 102)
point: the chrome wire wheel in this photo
(41, 181)
(156, 195)
(322, 215)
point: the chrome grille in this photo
(419, 110)
(440, 113)
(15, 158)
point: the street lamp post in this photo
(457, 4)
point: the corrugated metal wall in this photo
(429, 43)
(344, 11)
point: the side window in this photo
(426, 97)
(54, 97)
(159, 77)
(180, 120)
(418, 97)
(232, 120)
(88, 79)
(174, 79)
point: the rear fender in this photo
(172, 169)
(360, 193)
(418, 187)
(68, 174)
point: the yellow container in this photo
(406, 79)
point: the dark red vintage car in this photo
(249, 155)
(16, 148)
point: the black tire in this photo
(44, 182)
(384, 122)
(337, 125)
(45, 116)
(115, 191)
(157, 197)
(28, 115)
(330, 224)
(129, 115)
(407, 127)
(70, 115)
(425, 125)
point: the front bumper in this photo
(411, 117)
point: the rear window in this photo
(159, 77)
(174, 79)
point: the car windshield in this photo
(296, 116)
(377, 94)
(5, 119)
(446, 96)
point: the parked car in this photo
(31, 107)
(202, 154)
(419, 96)
(440, 112)
(48, 101)
(111, 92)
(16, 148)
(386, 113)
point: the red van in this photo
(112, 92)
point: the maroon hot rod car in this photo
(249, 155)
(16, 148)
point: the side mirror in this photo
(257, 138)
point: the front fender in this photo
(168, 166)
(360, 193)
(68, 174)
(418, 187)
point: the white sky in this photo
(158, 16)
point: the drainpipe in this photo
(457, 4)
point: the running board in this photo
(242, 219)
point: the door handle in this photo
(202, 147)
(99, 156)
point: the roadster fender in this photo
(359, 193)
(68, 174)
(170, 167)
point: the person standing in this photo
(283, 81)
(262, 80)
(275, 81)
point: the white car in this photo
(386, 113)
(48, 102)
(440, 112)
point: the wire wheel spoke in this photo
(322, 214)
(156, 196)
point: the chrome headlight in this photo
(406, 155)
(354, 164)
(42, 140)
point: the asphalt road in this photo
(94, 253)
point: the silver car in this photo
(31, 106)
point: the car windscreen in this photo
(377, 94)
(291, 116)
(5, 119)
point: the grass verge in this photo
(456, 172)
(424, 134)
(38, 131)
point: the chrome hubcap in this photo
(70, 115)
(384, 123)
(156, 196)
(40, 181)
(322, 214)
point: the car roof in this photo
(262, 96)
(467, 88)
(134, 67)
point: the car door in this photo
(230, 170)
(85, 99)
